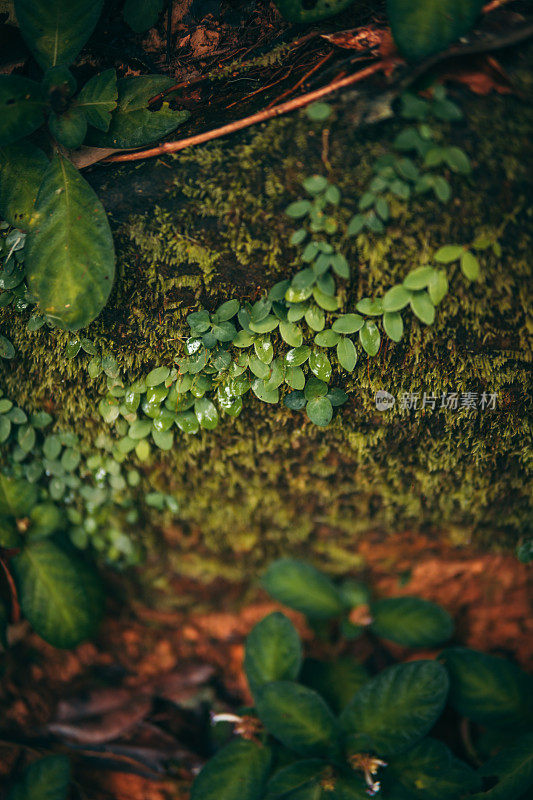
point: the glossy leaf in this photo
(273, 651)
(60, 595)
(302, 587)
(56, 30)
(45, 779)
(423, 27)
(132, 124)
(237, 772)
(411, 621)
(22, 108)
(487, 689)
(296, 716)
(22, 168)
(206, 413)
(393, 711)
(70, 260)
(370, 338)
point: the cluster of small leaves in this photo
(59, 593)
(401, 176)
(330, 730)
(97, 494)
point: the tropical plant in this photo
(69, 255)
(59, 592)
(329, 730)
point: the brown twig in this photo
(15, 607)
(254, 119)
(302, 80)
(262, 89)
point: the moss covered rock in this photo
(209, 225)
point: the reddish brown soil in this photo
(154, 665)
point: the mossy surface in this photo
(269, 482)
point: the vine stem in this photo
(15, 607)
(254, 119)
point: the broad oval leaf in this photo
(411, 621)
(22, 107)
(393, 325)
(60, 595)
(396, 709)
(17, 497)
(56, 30)
(347, 354)
(297, 716)
(273, 651)
(487, 689)
(132, 124)
(237, 772)
(370, 338)
(396, 298)
(304, 588)
(45, 779)
(423, 27)
(70, 259)
(22, 168)
(429, 771)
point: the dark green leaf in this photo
(206, 413)
(304, 588)
(297, 716)
(320, 411)
(132, 124)
(273, 651)
(411, 621)
(237, 772)
(70, 260)
(304, 776)
(22, 107)
(9, 535)
(347, 354)
(393, 711)
(142, 14)
(98, 99)
(336, 681)
(423, 27)
(514, 768)
(487, 689)
(304, 11)
(68, 129)
(60, 595)
(6, 348)
(348, 323)
(429, 772)
(45, 779)
(56, 30)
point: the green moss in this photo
(270, 483)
